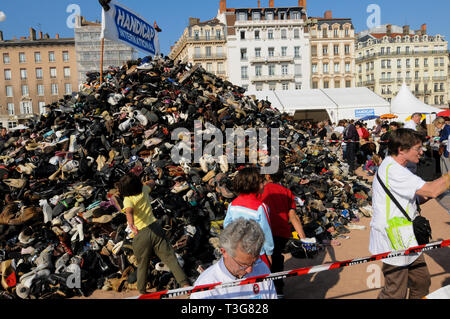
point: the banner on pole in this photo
(121, 24)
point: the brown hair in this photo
(403, 139)
(129, 185)
(247, 181)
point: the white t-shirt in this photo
(218, 273)
(403, 185)
(411, 124)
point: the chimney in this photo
(46, 36)
(223, 6)
(406, 30)
(32, 34)
(302, 3)
(1, 35)
(193, 21)
(57, 36)
(328, 15)
(40, 35)
(271, 3)
(259, 3)
(423, 28)
(389, 30)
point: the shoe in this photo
(208, 176)
(124, 126)
(140, 117)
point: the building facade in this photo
(389, 55)
(267, 48)
(88, 49)
(203, 43)
(332, 52)
(35, 71)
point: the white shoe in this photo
(140, 117)
(223, 162)
(127, 124)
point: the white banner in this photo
(123, 25)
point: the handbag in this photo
(421, 226)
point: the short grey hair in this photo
(245, 232)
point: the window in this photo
(336, 33)
(283, 51)
(336, 68)
(65, 56)
(347, 49)
(68, 88)
(7, 74)
(407, 50)
(272, 86)
(325, 33)
(22, 57)
(257, 37)
(284, 69)
(53, 72)
(297, 52)
(314, 50)
(283, 34)
(9, 91)
(37, 57)
(208, 68)
(51, 56)
(314, 68)
(41, 107)
(23, 74)
(326, 84)
(270, 34)
(298, 69)
(26, 108)
(347, 32)
(325, 68)
(269, 15)
(220, 68)
(347, 68)
(218, 34)
(271, 52)
(207, 35)
(196, 35)
(417, 63)
(54, 89)
(325, 49)
(11, 109)
(399, 63)
(242, 35)
(242, 16)
(271, 70)
(425, 62)
(6, 59)
(296, 34)
(25, 90)
(38, 73)
(243, 54)
(408, 63)
(219, 51)
(337, 84)
(257, 52)
(12, 125)
(259, 87)
(40, 90)
(398, 50)
(244, 72)
(336, 49)
(285, 86)
(208, 51)
(298, 86)
(315, 85)
(258, 70)
(256, 16)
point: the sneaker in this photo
(124, 126)
(140, 117)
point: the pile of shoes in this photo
(62, 230)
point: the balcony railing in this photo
(209, 56)
(268, 78)
(271, 59)
(391, 54)
(439, 78)
(388, 80)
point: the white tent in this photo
(405, 104)
(337, 104)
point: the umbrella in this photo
(423, 118)
(445, 113)
(388, 116)
(369, 117)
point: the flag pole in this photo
(101, 62)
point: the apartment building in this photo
(203, 43)
(267, 47)
(35, 71)
(389, 55)
(88, 49)
(332, 52)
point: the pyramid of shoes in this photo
(62, 233)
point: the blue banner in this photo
(364, 112)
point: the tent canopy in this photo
(347, 103)
(405, 104)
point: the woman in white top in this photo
(401, 273)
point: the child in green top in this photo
(148, 238)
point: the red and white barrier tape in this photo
(293, 273)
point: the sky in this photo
(172, 16)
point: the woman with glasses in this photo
(390, 230)
(240, 244)
(444, 133)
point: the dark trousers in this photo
(350, 155)
(278, 261)
(397, 280)
(148, 242)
